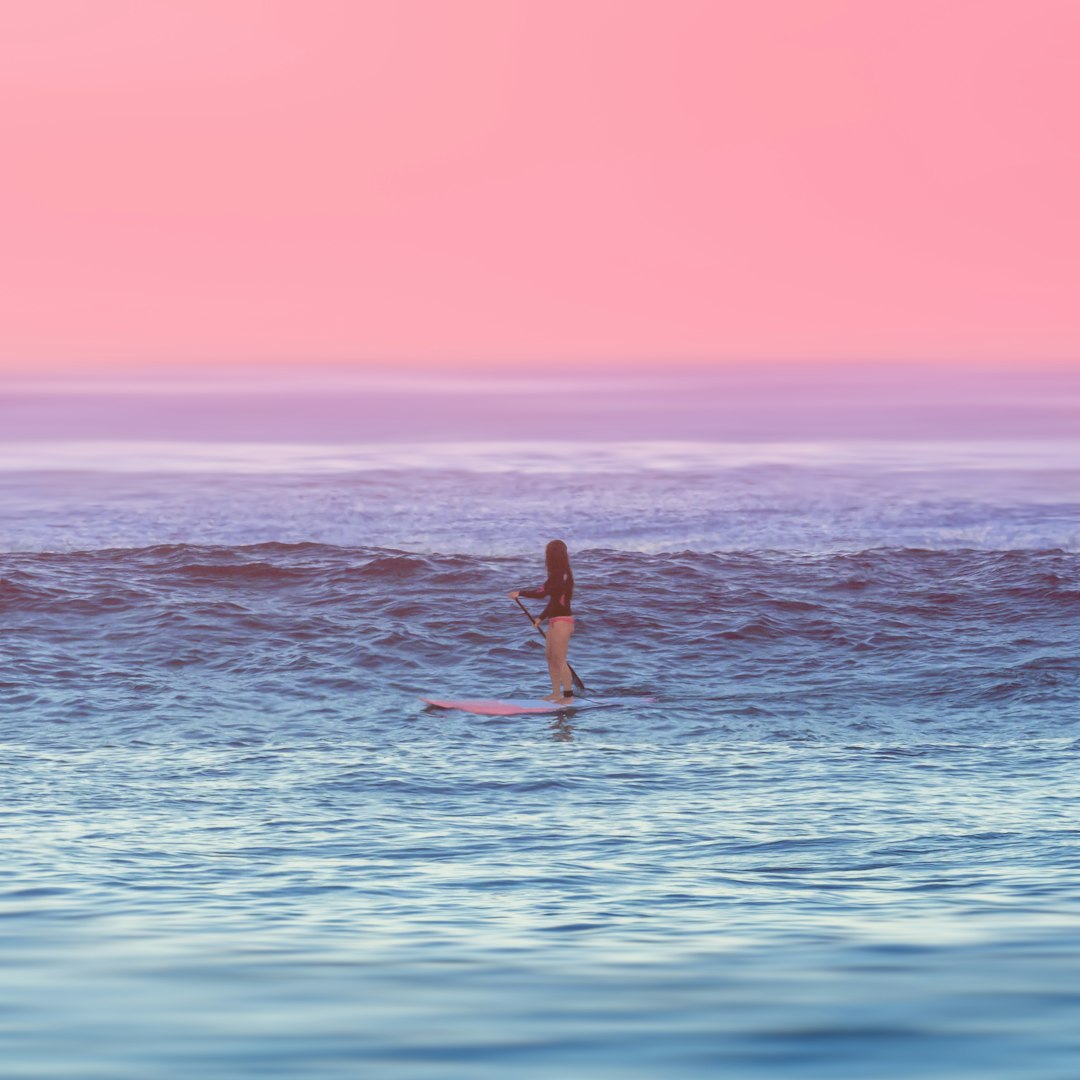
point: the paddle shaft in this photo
(573, 674)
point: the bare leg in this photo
(553, 671)
(558, 642)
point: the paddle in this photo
(573, 674)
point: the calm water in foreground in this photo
(841, 841)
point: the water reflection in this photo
(561, 730)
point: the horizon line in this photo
(393, 376)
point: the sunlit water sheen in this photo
(841, 841)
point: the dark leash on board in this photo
(573, 674)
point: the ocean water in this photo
(838, 836)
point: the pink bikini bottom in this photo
(561, 618)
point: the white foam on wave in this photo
(148, 456)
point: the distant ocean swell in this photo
(506, 499)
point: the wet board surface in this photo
(524, 706)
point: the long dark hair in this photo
(558, 561)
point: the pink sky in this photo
(240, 183)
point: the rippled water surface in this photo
(837, 837)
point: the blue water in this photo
(838, 837)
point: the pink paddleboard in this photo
(522, 706)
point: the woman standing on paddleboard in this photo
(559, 589)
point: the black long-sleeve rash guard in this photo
(561, 592)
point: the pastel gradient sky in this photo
(507, 185)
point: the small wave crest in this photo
(761, 636)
